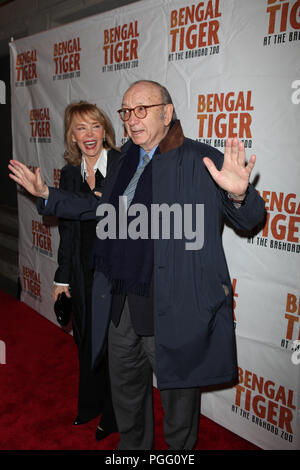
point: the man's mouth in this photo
(136, 132)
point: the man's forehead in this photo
(141, 93)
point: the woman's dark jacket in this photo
(72, 265)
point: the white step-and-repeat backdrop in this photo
(233, 69)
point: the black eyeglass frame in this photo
(146, 106)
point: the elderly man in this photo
(168, 308)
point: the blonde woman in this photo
(90, 155)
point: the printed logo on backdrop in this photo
(31, 282)
(40, 126)
(223, 115)
(66, 59)
(56, 177)
(281, 231)
(291, 333)
(194, 31)
(283, 22)
(265, 403)
(120, 47)
(41, 238)
(26, 68)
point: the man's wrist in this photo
(45, 192)
(237, 197)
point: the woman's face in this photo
(88, 134)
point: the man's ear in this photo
(168, 113)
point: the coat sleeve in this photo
(66, 234)
(69, 205)
(248, 216)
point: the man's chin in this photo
(138, 140)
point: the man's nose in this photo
(132, 118)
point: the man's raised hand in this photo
(30, 181)
(235, 174)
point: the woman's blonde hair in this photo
(82, 109)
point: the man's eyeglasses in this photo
(139, 111)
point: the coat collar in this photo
(173, 139)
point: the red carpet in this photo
(38, 390)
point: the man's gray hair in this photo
(165, 95)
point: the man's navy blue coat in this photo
(193, 317)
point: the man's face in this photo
(147, 132)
